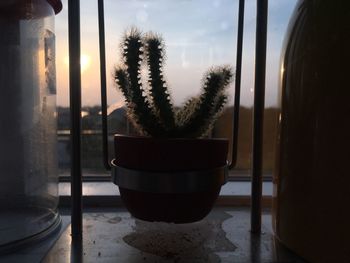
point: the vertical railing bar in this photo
(237, 84)
(75, 115)
(258, 117)
(101, 28)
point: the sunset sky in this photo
(198, 34)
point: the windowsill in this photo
(106, 194)
(231, 188)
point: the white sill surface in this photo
(231, 188)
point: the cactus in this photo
(151, 110)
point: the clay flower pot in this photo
(169, 180)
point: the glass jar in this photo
(28, 162)
(311, 194)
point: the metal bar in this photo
(259, 100)
(75, 114)
(101, 26)
(237, 84)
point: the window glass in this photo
(198, 34)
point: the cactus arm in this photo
(216, 80)
(154, 47)
(217, 111)
(122, 81)
(186, 110)
(132, 54)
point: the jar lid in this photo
(56, 4)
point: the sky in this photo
(198, 35)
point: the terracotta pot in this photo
(170, 180)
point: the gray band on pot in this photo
(169, 182)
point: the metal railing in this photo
(75, 104)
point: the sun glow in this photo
(85, 62)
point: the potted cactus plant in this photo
(172, 172)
